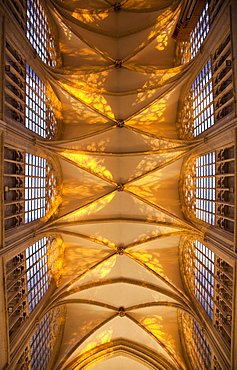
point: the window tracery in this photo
(208, 188)
(198, 347)
(38, 278)
(200, 31)
(35, 103)
(198, 115)
(35, 187)
(202, 97)
(210, 280)
(185, 119)
(27, 99)
(205, 188)
(204, 277)
(39, 33)
(187, 188)
(42, 116)
(44, 339)
(29, 275)
(187, 50)
(30, 188)
(182, 53)
(211, 96)
(40, 349)
(34, 21)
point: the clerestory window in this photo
(35, 187)
(28, 277)
(197, 346)
(202, 100)
(34, 21)
(201, 344)
(37, 273)
(39, 33)
(205, 188)
(210, 280)
(42, 345)
(211, 95)
(208, 189)
(36, 107)
(30, 188)
(44, 339)
(204, 277)
(200, 31)
(28, 100)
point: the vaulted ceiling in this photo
(120, 157)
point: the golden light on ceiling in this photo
(127, 222)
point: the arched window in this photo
(29, 275)
(37, 275)
(40, 112)
(39, 350)
(200, 31)
(205, 188)
(33, 19)
(39, 33)
(210, 280)
(208, 188)
(210, 97)
(202, 97)
(192, 42)
(28, 100)
(192, 36)
(43, 340)
(30, 187)
(198, 349)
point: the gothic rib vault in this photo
(120, 157)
